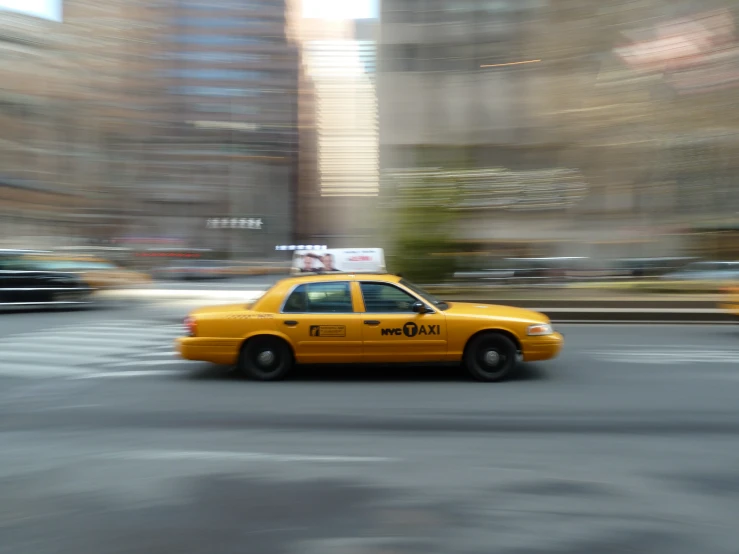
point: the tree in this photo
(423, 225)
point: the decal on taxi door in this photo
(411, 330)
(327, 331)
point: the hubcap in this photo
(266, 358)
(492, 358)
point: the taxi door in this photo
(321, 323)
(393, 333)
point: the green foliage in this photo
(423, 227)
(420, 261)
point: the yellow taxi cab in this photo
(365, 318)
(731, 301)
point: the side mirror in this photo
(420, 308)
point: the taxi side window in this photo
(381, 298)
(320, 298)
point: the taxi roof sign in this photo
(338, 260)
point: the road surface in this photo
(626, 443)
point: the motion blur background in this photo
(463, 131)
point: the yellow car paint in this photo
(731, 302)
(360, 336)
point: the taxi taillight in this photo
(191, 326)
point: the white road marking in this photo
(38, 370)
(148, 363)
(121, 340)
(81, 351)
(104, 334)
(671, 356)
(125, 374)
(205, 455)
(170, 353)
(29, 347)
(36, 356)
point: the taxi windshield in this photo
(428, 297)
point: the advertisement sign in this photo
(361, 260)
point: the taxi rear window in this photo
(332, 297)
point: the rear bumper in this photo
(542, 348)
(207, 349)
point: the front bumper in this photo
(542, 348)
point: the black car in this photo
(194, 270)
(23, 284)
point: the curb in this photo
(639, 316)
(602, 304)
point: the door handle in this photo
(371, 322)
(291, 323)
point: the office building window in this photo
(221, 40)
(218, 22)
(225, 108)
(214, 91)
(214, 57)
(216, 74)
(222, 5)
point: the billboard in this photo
(345, 260)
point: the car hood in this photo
(470, 309)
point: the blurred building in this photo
(642, 96)
(65, 97)
(461, 84)
(33, 204)
(556, 87)
(339, 132)
(224, 139)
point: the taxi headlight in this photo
(539, 329)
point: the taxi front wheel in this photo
(265, 359)
(490, 357)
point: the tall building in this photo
(461, 84)
(220, 168)
(174, 119)
(614, 124)
(67, 93)
(447, 79)
(340, 94)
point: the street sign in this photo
(234, 223)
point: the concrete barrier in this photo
(597, 287)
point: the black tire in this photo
(252, 361)
(477, 358)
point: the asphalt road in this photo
(626, 443)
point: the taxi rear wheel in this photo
(491, 357)
(265, 359)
